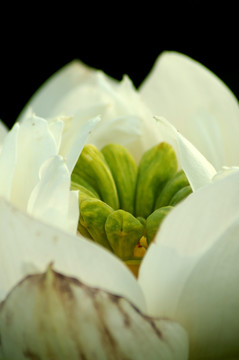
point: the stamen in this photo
(140, 248)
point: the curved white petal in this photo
(198, 170)
(195, 257)
(124, 118)
(51, 200)
(197, 103)
(28, 246)
(56, 127)
(54, 90)
(74, 138)
(88, 95)
(200, 292)
(225, 171)
(35, 144)
(130, 131)
(215, 205)
(65, 319)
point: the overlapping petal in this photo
(92, 305)
(197, 168)
(55, 89)
(123, 114)
(36, 161)
(52, 199)
(195, 257)
(29, 246)
(35, 144)
(199, 105)
(124, 117)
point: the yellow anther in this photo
(143, 242)
(141, 247)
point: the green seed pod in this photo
(154, 221)
(124, 171)
(181, 195)
(93, 215)
(156, 167)
(123, 232)
(84, 193)
(93, 168)
(77, 182)
(143, 222)
(177, 182)
(83, 231)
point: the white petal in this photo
(209, 211)
(65, 319)
(195, 258)
(8, 160)
(199, 291)
(50, 200)
(3, 132)
(73, 211)
(118, 104)
(56, 127)
(74, 139)
(196, 102)
(126, 119)
(28, 246)
(96, 91)
(225, 171)
(54, 90)
(198, 170)
(130, 131)
(35, 144)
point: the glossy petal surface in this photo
(195, 257)
(28, 246)
(200, 106)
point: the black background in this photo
(112, 38)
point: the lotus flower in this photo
(75, 298)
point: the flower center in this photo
(122, 204)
